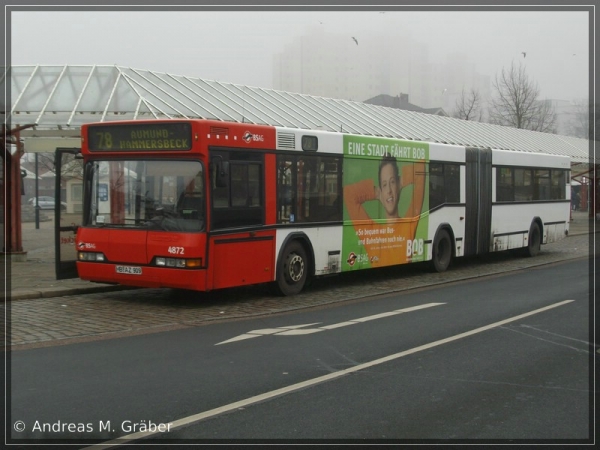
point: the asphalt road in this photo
(504, 357)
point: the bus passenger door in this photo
(241, 250)
(478, 220)
(68, 210)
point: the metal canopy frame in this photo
(65, 97)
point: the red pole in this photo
(13, 160)
(16, 244)
(13, 244)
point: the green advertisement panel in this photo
(386, 196)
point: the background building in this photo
(572, 119)
(401, 102)
(336, 66)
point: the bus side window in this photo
(452, 183)
(523, 185)
(436, 185)
(541, 184)
(444, 184)
(558, 189)
(504, 185)
(308, 188)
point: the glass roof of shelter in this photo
(65, 97)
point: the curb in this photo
(61, 292)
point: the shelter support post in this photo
(11, 154)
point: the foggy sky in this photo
(238, 46)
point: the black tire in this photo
(534, 241)
(292, 270)
(442, 251)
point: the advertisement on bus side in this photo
(385, 198)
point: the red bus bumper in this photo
(151, 277)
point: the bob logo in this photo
(351, 258)
(248, 137)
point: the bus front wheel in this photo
(442, 251)
(292, 270)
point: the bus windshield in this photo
(146, 194)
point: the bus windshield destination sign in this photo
(152, 137)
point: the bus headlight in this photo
(179, 263)
(91, 256)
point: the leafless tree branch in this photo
(469, 106)
(516, 102)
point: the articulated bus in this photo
(204, 205)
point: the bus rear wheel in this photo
(442, 251)
(292, 271)
(535, 240)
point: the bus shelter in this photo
(48, 105)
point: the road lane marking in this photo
(264, 332)
(338, 325)
(314, 381)
(560, 335)
(299, 330)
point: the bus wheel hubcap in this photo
(296, 268)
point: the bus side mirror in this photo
(221, 173)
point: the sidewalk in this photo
(35, 278)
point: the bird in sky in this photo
(354, 39)
(524, 54)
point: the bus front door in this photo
(239, 258)
(68, 210)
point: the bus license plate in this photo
(131, 270)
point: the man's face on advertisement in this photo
(389, 186)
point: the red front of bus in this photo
(145, 211)
(143, 258)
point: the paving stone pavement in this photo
(50, 312)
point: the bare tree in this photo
(516, 103)
(468, 106)
(47, 163)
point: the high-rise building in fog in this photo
(333, 65)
